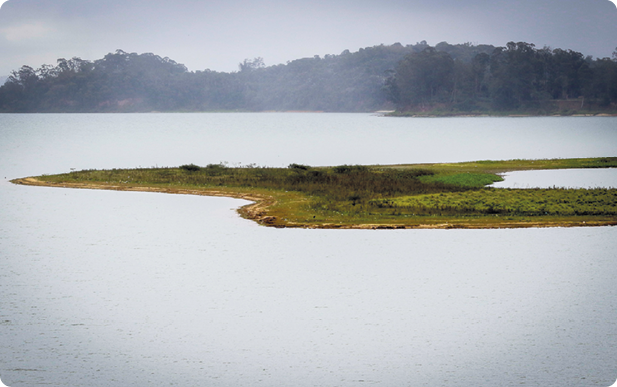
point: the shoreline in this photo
(258, 210)
(411, 114)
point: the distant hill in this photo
(517, 78)
(450, 78)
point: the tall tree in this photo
(424, 78)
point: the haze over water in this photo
(101, 288)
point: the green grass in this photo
(467, 179)
(341, 183)
(406, 195)
(518, 202)
(500, 166)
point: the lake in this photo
(103, 288)
(561, 178)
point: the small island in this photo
(438, 196)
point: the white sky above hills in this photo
(218, 35)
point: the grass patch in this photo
(516, 202)
(501, 166)
(467, 179)
(341, 183)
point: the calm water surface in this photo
(562, 178)
(105, 288)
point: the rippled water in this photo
(101, 288)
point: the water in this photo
(563, 178)
(103, 288)
(52, 143)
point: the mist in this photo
(218, 36)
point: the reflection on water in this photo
(134, 289)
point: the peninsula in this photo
(450, 195)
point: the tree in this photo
(22, 90)
(252, 64)
(480, 71)
(424, 78)
(513, 75)
(569, 72)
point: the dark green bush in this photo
(346, 169)
(190, 167)
(216, 166)
(299, 167)
(315, 173)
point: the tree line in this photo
(416, 78)
(515, 77)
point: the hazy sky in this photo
(217, 35)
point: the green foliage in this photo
(442, 80)
(511, 79)
(120, 81)
(333, 186)
(299, 167)
(425, 77)
(215, 169)
(476, 180)
(521, 202)
(130, 82)
(347, 169)
(190, 167)
(493, 166)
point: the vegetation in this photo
(131, 82)
(517, 78)
(416, 195)
(415, 79)
(518, 202)
(468, 179)
(493, 167)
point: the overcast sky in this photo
(217, 35)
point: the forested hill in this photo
(130, 82)
(447, 78)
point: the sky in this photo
(218, 35)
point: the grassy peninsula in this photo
(452, 195)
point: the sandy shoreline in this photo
(258, 210)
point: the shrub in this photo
(216, 166)
(315, 173)
(215, 169)
(190, 167)
(346, 169)
(299, 167)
